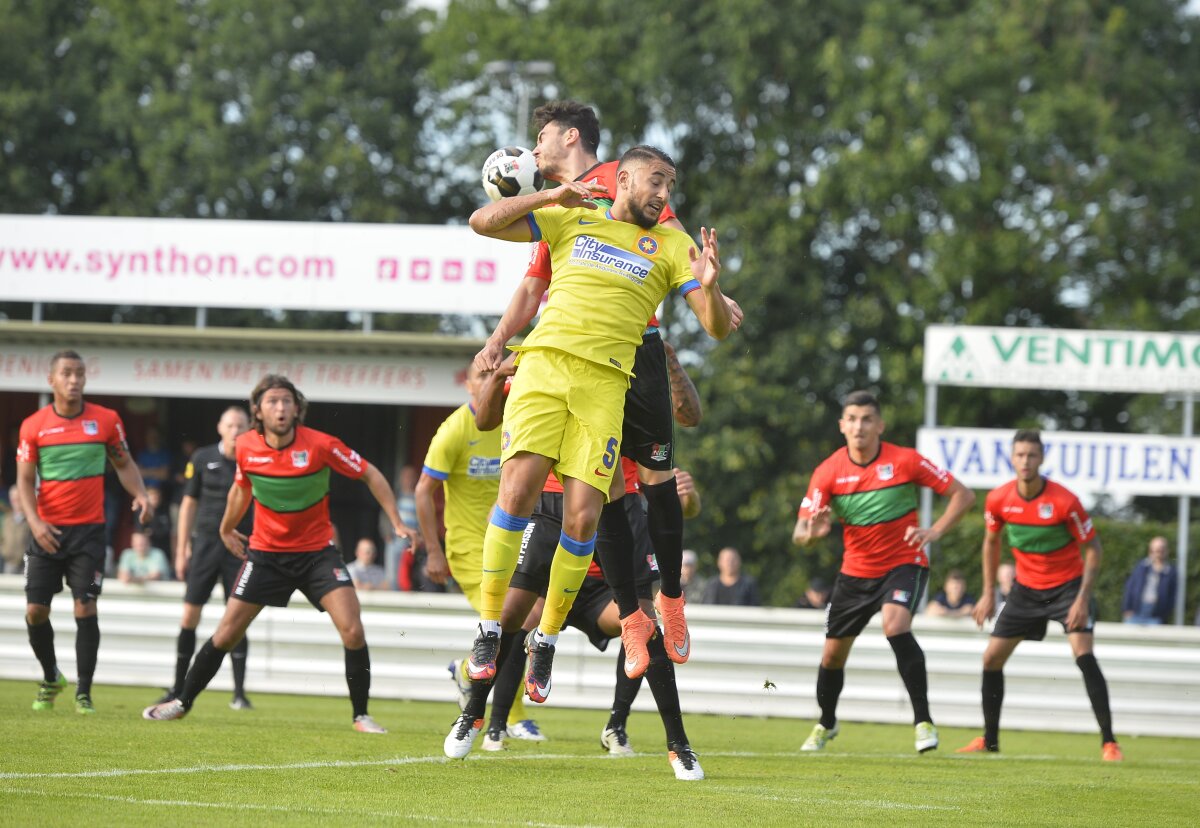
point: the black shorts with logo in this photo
(79, 561)
(1027, 611)
(855, 600)
(649, 430)
(540, 541)
(210, 560)
(270, 578)
(593, 598)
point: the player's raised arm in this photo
(489, 405)
(521, 309)
(709, 303)
(505, 219)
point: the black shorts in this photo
(649, 430)
(1026, 612)
(593, 598)
(79, 561)
(210, 561)
(540, 541)
(270, 578)
(855, 600)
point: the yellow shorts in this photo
(467, 571)
(568, 409)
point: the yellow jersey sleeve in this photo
(447, 446)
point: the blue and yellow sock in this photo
(571, 561)
(501, 546)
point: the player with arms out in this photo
(568, 134)
(1047, 528)
(611, 269)
(871, 486)
(200, 556)
(64, 446)
(284, 466)
(463, 461)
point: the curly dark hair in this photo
(570, 114)
(267, 383)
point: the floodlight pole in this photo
(520, 76)
(1185, 502)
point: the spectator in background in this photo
(953, 601)
(816, 596)
(1005, 574)
(15, 536)
(155, 461)
(142, 562)
(1150, 589)
(160, 526)
(365, 573)
(398, 550)
(731, 587)
(689, 576)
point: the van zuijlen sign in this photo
(1059, 359)
(1115, 464)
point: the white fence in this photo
(746, 661)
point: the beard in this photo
(645, 216)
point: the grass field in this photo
(295, 760)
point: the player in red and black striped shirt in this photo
(285, 467)
(1058, 558)
(60, 480)
(871, 486)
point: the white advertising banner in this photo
(216, 263)
(1059, 359)
(1121, 465)
(229, 374)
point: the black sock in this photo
(358, 678)
(615, 551)
(204, 667)
(87, 647)
(510, 672)
(1097, 690)
(993, 699)
(624, 693)
(829, 687)
(910, 661)
(660, 675)
(41, 639)
(184, 650)
(237, 661)
(664, 517)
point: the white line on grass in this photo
(457, 819)
(527, 757)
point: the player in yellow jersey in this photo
(464, 463)
(611, 269)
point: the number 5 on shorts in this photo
(610, 453)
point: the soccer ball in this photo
(510, 171)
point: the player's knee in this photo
(37, 614)
(353, 636)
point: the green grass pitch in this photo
(295, 760)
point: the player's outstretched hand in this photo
(820, 522)
(403, 530)
(141, 505)
(46, 535)
(735, 313)
(436, 568)
(577, 194)
(489, 357)
(706, 264)
(917, 537)
(1077, 616)
(984, 609)
(235, 542)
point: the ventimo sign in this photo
(1058, 359)
(1114, 464)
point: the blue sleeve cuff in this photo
(434, 473)
(533, 227)
(688, 286)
